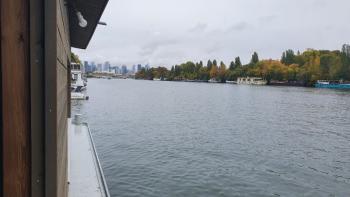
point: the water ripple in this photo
(188, 139)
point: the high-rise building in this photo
(106, 67)
(134, 68)
(124, 70)
(99, 67)
(88, 67)
(139, 67)
(93, 67)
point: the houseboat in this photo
(332, 84)
(251, 81)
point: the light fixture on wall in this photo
(82, 22)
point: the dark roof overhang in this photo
(92, 11)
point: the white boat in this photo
(213, 80)
(156, 79)
(231, 82)
(251, 81)
(79, 96)
(78, 83)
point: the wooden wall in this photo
(37, 84)
(63, 55)
(57, 99)
(15, 97)
(35, 54)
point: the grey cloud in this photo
(240, 26)
(153, 46)
(172, 31)
(320, 3)
(267, 19)
(200, 27)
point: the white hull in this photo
(79, 96)
(213, 81)
(251, 81)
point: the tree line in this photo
(305, 68)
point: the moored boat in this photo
(332, 84)
(251, 81)
(231, 82)
(79, 96)
(213, 80)
(78, 83)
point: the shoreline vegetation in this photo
(293, 69)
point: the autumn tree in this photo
(75, 58)
(214, 72)
(222, 72)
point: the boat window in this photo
(74, 77)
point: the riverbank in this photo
(272, 83)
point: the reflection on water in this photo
(196, 139)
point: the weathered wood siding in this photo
(63, 54)
(57, 99)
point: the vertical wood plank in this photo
(50, 52)
(15, 97)
(1, 133)
(37, 85)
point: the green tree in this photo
(203, 74)
(238, 62)
(288, 57)
(215, 63)
(209, 64)
(232, 66)
(346, 50)
(255, 58)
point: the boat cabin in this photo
(251, 81)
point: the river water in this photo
(195, 139)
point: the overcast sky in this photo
(168, 32)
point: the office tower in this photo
(139, 67)
(106, 67)
(124, 70)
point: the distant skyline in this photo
(168, 32)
